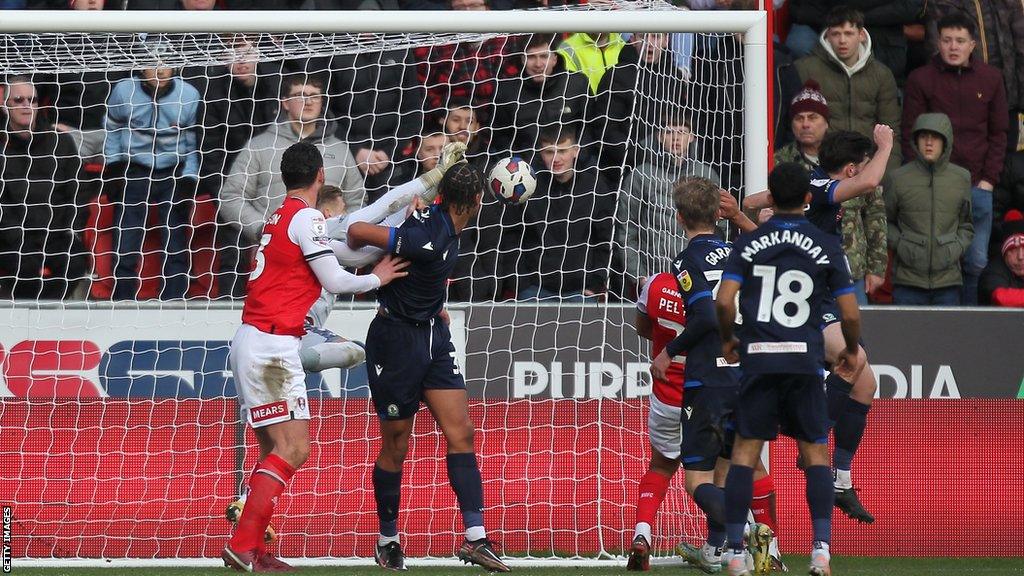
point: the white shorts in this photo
(665, 427)
(269, 378)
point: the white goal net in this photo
(137, 169)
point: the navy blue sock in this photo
(711, 499)
(820, 499)
(464, 476)
(739, 491)
(387, 488)
(848, 433)
(837, 393)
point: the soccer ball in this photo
(512, 180)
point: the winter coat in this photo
(717, 85)
(232, 115)
(1009, 194)
(377, 102)
(859, 96)
(153, 130)
(928, 206)
(864, 225)
(80, 98)
(568, 233)
(974, 98)
(41, 203)
(1000, 37)
(523, 107)
(253, 189)
(646, 225)
(999, 286)
(884, 20)
(787, 86)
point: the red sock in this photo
(653, 487)
(268, 481)
(763, 504)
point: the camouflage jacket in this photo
(864, 225)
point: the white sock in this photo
(474, 533)
(824, 548)
(843, 479)
(383, 540)
(643, 529)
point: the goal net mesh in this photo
(131, 207)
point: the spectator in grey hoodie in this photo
(253, 189)
(647, 232)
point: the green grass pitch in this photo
(841, 566)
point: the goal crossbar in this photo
(752, 24)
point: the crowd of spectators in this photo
(609, 122)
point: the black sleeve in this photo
(700, 319)
(413, 96)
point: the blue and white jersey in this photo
(698, 269)
(823, 211)
(428, 240)
(787, 269)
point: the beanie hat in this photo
(1013, 227)
(810, 99)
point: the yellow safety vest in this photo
(581, 54)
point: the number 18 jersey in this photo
(786, 268)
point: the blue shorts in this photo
(707, 426)
(794, 404)
(403, 360)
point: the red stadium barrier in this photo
(941, 476)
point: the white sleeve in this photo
(309, 231)
(645, 293)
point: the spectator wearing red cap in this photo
(1002, 282)
(864, 226)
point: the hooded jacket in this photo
(253, 189)
(974, 98)
(646, 219)
(859, 96)
(928, 208)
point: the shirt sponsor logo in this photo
(268, 411)
(777, 348)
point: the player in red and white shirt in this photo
(294, 261)
(660, 319)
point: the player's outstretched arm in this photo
(337, 280)
(362, 234)
(847, 360)
(756, 201)
(871, 176)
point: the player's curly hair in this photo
(459, 188)
(696, 200)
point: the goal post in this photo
(121, 432)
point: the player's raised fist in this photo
(390, 268)
(883, 135)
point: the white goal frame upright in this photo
(756, 96)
